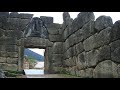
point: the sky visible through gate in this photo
(58, 18)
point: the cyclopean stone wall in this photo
(91, 47)
(82, 47)
(11, 31)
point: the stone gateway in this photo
(82, 47)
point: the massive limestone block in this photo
(88, 29)
(2, 59)
(46, 20)
(57, 58)
(81, 19)
(90, 43)
(115, 31)
(79, 35)
(80, 61)
(103, 22)
(12, 60)
(105, 69)
(72, 40)
(87, 73)
(66, 33)
(103, 38)
(67, 19)
(91, 58)
(95, 56)
(54, 28)
(5, 66)
(66, 44)
(36, 41)
(115, 51)
(79, 48)
(68, 53)
(57, 48)
(97, 40)
(55, 38)
(70, 62)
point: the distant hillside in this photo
(33, 54)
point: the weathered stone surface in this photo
(70, 62)
(103, 38)
(66, 44)
(14, 15)
(6, 66)
(2, 75)
(1, 32)
(66, 33)
(66, 16)
(25, 16)
(2, 59)
(105, 69)
(36, 41)
(57, 48)
(79, 35)
(55, 38)
(88, 29)
(103, 53)
(89, 43)
(3, 53)
(68, 53)
(12, 60)
(115, 51)
(54, 28)
(13, 23)
(80, 73)
(4, 14)
(11, 48)
(47, 20)
(97, 40)
(56, 57)
(89, 73)
(103, 22)
(10, 40)
(91, 58)
(80, 61)
(118, 70)
(72, 70)
(23, 23)
(95, 56)
(115, 31)
(81, 19)
(72, 40)
(2, 48)
(12, 54)
(79, 48)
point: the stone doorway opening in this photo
(33, 62)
